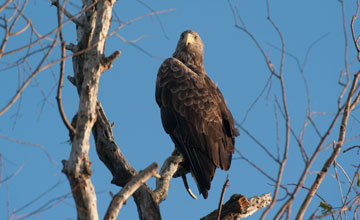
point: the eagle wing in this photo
(195, 115)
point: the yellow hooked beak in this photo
(189, 38)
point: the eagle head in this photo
(190, 48)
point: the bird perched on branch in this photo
(194, 112)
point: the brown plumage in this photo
(194, 112)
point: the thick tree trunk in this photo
(88, 67)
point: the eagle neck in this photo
(190, 59)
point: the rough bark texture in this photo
(87, 71)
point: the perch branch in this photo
(129, 189)
(167, 171)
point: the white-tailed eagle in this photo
(194, 112)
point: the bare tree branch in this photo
(226, 184)
(167, 171)
(238, 207)
(66, 13)
(336, 151)
(138, 180)
(60, 11)
(303, 176)
(355, 39)
(2, 7)
(350, 148)
(26, 83)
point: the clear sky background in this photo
(127, 94)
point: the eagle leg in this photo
(182, 171)
(187, 187)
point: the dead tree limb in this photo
(167, 171)
(226, 184)
(129, 189)
(238, 207)
(62, 69)
(122, 172)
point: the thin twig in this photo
(58, 97)
(338, 182)
(257, 142)
(350, 148)
(157, 18)
(303, 176)
(287, 116)
(42, 148)
(12, 175)
(352, 183)
(2, 7)
(277, 132)
(345, 55)
(28, 80)
(253, 38)
(226, 184)
(298, 140)
(62, 68)
(260, 170)
(355, 39)
(67, 13)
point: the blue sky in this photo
(127, 94)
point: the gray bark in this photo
(87, 71)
